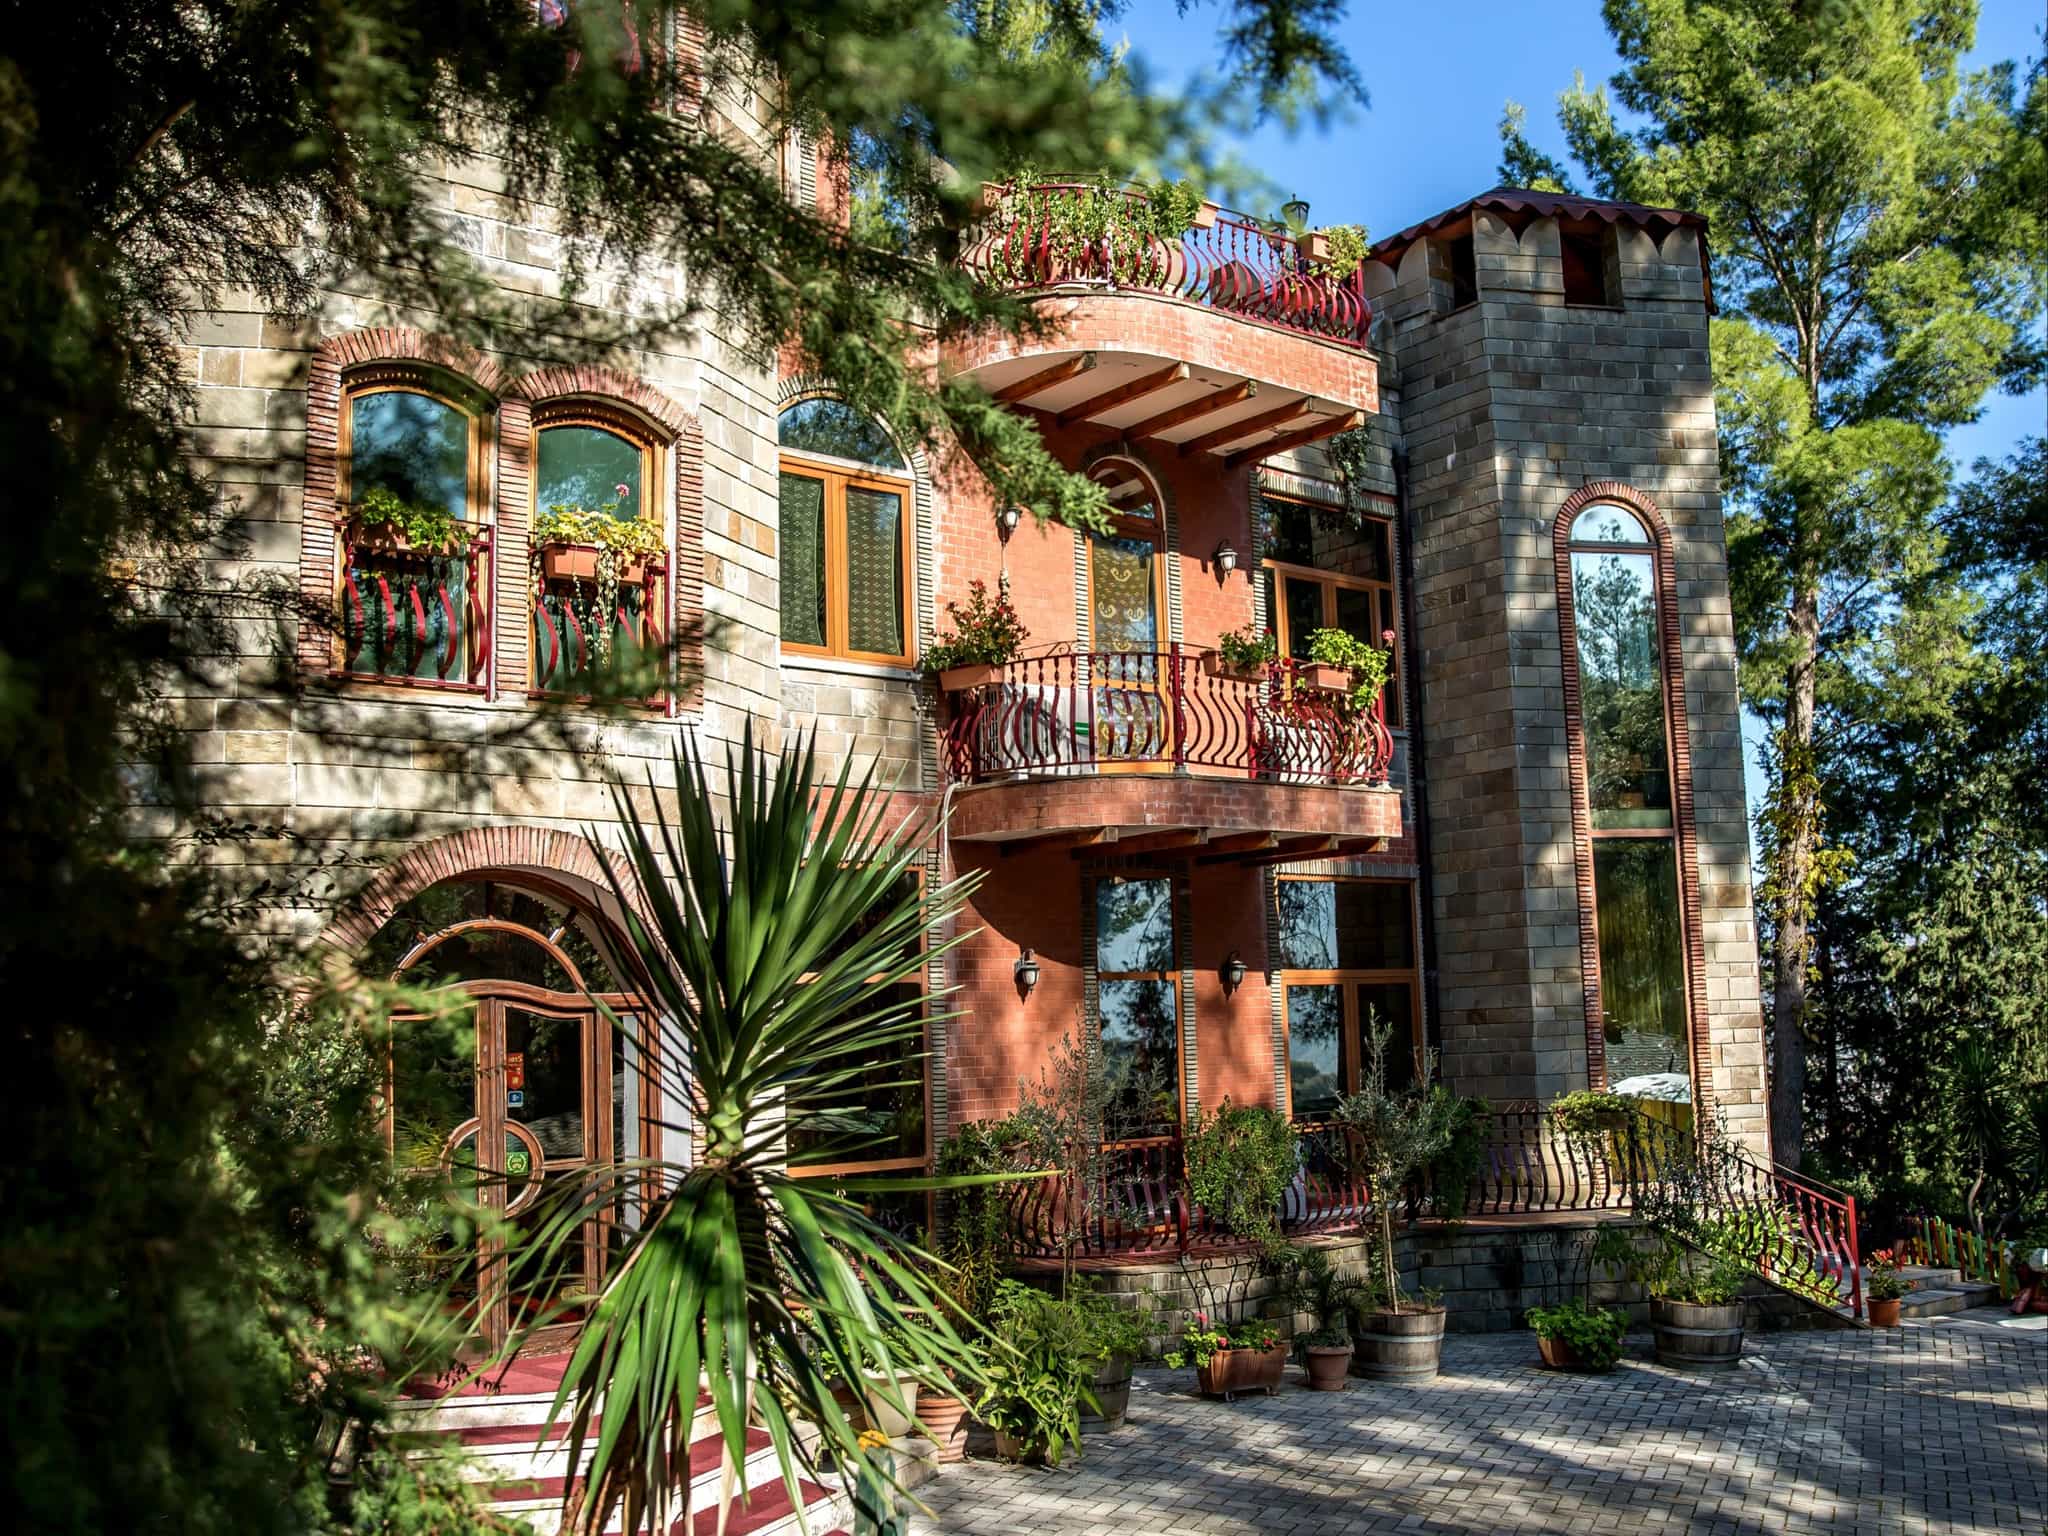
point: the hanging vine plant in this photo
(1351, 454)
(618, 542)
(1098, 227)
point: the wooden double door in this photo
(529, 1096)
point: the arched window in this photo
(845, 535)
(413, 590)
(1127, 619)
(1611, 607)
(600, 548)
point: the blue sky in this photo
(1439, 74)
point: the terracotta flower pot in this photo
(1213, 665)
(1231, 1371)
(578, 562)
(1316, 674)
(1328, 1367)
(1885, 1314)
(1030, 1453)
(945, 1420)
(962, 679)
(1559, 1355)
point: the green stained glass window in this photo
(802, 547)
(874, 571)
(585, 467)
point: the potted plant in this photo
(1584, 1114)
(986, 636)
(1240, 1160)
(1575, 1337)
(1338, 251)
(1117, 1337)
(1696, 1310)
(1038, 1376)
(1885, 1287)
(1311, 1284)
(1242, 653)
(1229, 1358)
(1389, 1133)
(1343, 663)
(385, 521)
(596, 551)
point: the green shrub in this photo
(1593, 1334)
(1240, 1161)
(1113, 1329)
(1040, 1377)
(1452, 1170)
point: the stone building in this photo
(1489, 449)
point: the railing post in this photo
(1855, 1262)
(1180, 733)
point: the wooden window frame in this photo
(1175, 891)
(1350, 979)
(409, 378)
(1386, 600)
(838, 476)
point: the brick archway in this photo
(477, 852)
(1670, 635)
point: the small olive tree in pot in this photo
(1390, 1133)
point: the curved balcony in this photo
(1228, 340)
(1165, 749)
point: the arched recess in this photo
(683, 437)
(1678, 735)
(406, 353)
(1093, 463)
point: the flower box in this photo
(1231, 1371)
(1213, 665)
(1318, 674)
(578, 562)
(1314, 245)
(1205, 216)
(962, 679)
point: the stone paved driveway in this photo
(1933, 1427)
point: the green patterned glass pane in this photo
(803, 559)
(837, 430)
(1621, 690)
(1141, 1056)
(412, 445)
(1133, 926)
(1125, 610)
(1642, 965)
(588, 467)
(1315, 1025)
(874, 571)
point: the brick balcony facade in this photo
(1227, 914)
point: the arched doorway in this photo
(533, 1080)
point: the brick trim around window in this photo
(543, 386)
(333, 359)
(1673, 663)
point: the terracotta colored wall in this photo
(1233, 1033)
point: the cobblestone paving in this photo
(1932, 1427)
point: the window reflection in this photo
(1621, 690)
(1138, 1005)
(1642, 963)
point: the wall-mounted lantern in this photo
(1007, 519)
(1233, 972)
(1225, 560)
(1027, 970)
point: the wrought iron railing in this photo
(413, 617)
(1082, 712)
(569, 653)
(1031, 241)
(1795, 1231)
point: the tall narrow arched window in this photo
(845, 535)
(1127, 623)
(1626, 802)
(413, 588)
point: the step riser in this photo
(517, 1464)
(455, 1415)
(827, 1514)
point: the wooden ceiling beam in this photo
(1217, 400)
(1124, 394)
(1243, 842)
(1281, 853)
(1052, 842)
(1159, 842)
(1315, 434)
(1265, 421)
(1038, 383)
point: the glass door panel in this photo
(1315, 1033)
(1130, 718)
(547, 1094)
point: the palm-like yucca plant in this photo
(767, 968)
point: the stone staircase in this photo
(524, 1461)
(1942, 1292)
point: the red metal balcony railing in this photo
(567, 656)
(411, 617)
(1227, 262)
(1093, 711)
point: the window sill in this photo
(844, 666)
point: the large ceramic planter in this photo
(1112, 1389)
(1231, 1371)
(1399, 1346)
(1327, 1367)
(882, 1413)
(1690, 1334)
(1885, 1314)
(945, 1420)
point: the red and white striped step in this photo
(502, 1422)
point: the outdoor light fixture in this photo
(1007, 519)
(1226, 560)
(1295, 212)
(1027, 970)
(1233, 972)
